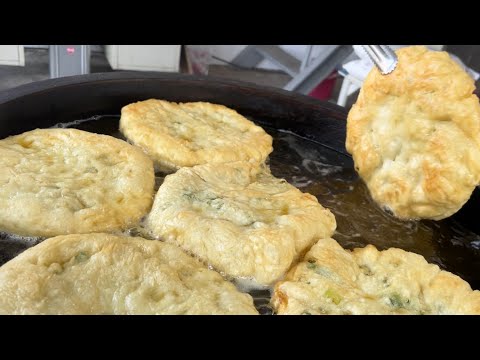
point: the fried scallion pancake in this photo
(188, 134)
(415, 135)
(108, 274)
(62, 181)
(365, 281)
(238, 218)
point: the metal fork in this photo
(383, 57)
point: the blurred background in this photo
(328, 72)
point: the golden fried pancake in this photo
(415, 135)
(188, 134)
(238, 218)
(61, 181)
(365, 281)
(107, 274)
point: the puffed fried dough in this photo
(108, 274)
(188, 134)
(415, 135)
(61, 181)
(238, 218)
(365, 281)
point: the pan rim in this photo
(8, 95)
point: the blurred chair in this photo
(306, 73)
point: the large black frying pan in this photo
(309, 137)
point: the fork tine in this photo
(383, 57)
